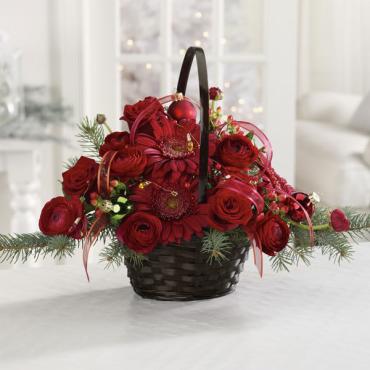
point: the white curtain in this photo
(334, 48)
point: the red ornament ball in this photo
(295, 211)
(182, 109)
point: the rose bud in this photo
(339, 221)
(100, 119)
(215, 93)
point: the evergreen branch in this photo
(216, 245)
(20, 247)
(359, 224)
(114, 254)
(91, 137)
(335, 245)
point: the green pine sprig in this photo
(216, 245)
(91, 137)
(114, 254)
(21, 247)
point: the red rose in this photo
(236, 150)
(130, 112)
(129, 163)
(229, 206)
(77, 179)
(215, 93)
(140, 232)
(115, 141)
(339, 221)
(63, 217)
(273, 234)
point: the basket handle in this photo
(204, 110)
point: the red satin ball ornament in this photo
(295, 211)
(182, 109)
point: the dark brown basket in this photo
(182, 273)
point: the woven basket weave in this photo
(182, 273)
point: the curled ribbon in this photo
(103, 184)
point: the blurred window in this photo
(154, 35)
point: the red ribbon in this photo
(103, 184)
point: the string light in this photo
(198, 15)
(120, 67)
(205, 34)
(197, 43)
(130, 42)
(148, 66)
(233, 109)
(182, 51)
(227, 84)
(241, 101)
(223, 40)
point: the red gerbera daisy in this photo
(173, 149)
(177, 206)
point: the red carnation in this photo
(339, 221)
(78, 179)
(115, 141)
(273, 234)
(236, 150)
(63, 217)
(131, 112)
(140, 232)
(230, 206)
(128, 163)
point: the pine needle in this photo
(216, 245)
(21, 247)
(91, 137)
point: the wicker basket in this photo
(182, 273)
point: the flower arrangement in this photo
(140, 189)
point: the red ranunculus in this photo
(236, 150)
(140, 232)
(115, 141)
(130, 112)
(128, 163)
(61, 216)
(273, 234)
(78, 179)
(339, 221)
(230, 206)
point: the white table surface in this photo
(312, 318)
